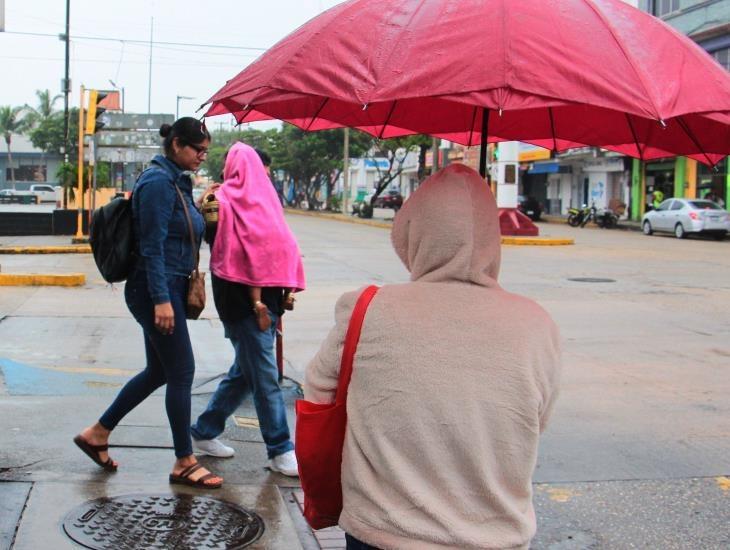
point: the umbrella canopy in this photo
(555, 73)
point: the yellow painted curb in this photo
(536, 241)
(69, 249)
(41, 279)
(339, 218)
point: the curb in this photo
(42, 279)
(515, 241)
(69, 249)
(339, 218)
(536, 241)
(624, 225)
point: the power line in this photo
(113, 62)
(143, 42)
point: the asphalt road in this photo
(638, 451)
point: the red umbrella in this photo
(555, 73)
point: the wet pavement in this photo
(636, 455)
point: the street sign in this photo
(114, 154)
(131, 121)
(129, 139)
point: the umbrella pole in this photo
(483, 150)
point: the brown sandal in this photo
(92, 451)
(262, 316)
(183, 478)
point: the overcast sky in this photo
(29, 63)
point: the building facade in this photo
(30, 165)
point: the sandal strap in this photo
(190, 470)
(206, 477)
(99, 448)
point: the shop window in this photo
(26, 172)
(723, 58)
(664, 7)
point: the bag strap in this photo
(352, 338)
(190, 227)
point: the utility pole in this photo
(177, 104)
(346, 174)
(66, 90)
(435, 148)
(80, 179)
(149, 81)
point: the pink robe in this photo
(253, 243)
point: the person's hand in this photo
(164, 318)
(212, 188)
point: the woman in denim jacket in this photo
(156, 294)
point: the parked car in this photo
(530, 207)
(392, 199)
(44, 192)
(685, 216)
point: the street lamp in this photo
(177, 104)
(120, 89)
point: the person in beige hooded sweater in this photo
(453, 382)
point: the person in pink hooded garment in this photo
(254, 245)
(255, 264)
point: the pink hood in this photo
(253, 243)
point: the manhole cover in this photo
(162, 521)
(591, 280)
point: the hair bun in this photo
(165, 130)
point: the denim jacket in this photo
(162, 237)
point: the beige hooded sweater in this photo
(453, 382)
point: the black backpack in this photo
(112, 239)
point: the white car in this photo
(45, 193)
(684, 216)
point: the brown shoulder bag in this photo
(196, 282)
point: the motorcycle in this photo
(577, 215)
(606, 218)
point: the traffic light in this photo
(93, 115)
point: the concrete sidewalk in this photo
(635, 457)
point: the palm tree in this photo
(12, 121)
(44, 110)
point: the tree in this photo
(44, 109)
(395, 151)
(223, 139)
(12, 121)
(47, 135)
(313, 159)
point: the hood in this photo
(448, 230)
(243, 166)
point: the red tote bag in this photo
(320, 434)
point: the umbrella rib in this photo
(552, 128)
(689, 133)
(316, 115)
(471, 130)
(387, 120)
(636, 140)
(248, 112)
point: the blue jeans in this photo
(253, 371)
(169, 361)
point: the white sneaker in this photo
(213, 447)
(285, 464)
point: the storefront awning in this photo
(543, 168)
